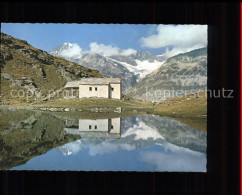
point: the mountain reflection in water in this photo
(40, 141)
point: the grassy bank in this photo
(100, 105)
(190, 109)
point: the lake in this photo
(34, 140)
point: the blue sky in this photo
(122, 36)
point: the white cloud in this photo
(98, 149)
(72, 51)
(72, 148)
(104, 148)
(183, 160)
(109, 50)
(182, 38)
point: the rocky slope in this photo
(187, 71)
(31, 71)
(129, 67)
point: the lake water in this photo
(41, 141)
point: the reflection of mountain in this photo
(26, 134)
(141, 148)
(177, 133)
(138, 132)
(128, 123)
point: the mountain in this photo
(187, 71)
(69, 51)
(129, 67)
(107, 67)
(34, 71)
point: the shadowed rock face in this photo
(26, 134)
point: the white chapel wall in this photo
(101, 91)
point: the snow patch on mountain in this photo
(142, 69)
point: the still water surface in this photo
(137, 143)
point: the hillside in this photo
(187, 71)
(26, 68)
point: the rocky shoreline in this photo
(60, 109)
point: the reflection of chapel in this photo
(102, 128)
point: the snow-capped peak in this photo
(68, 50)
(68, 44)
